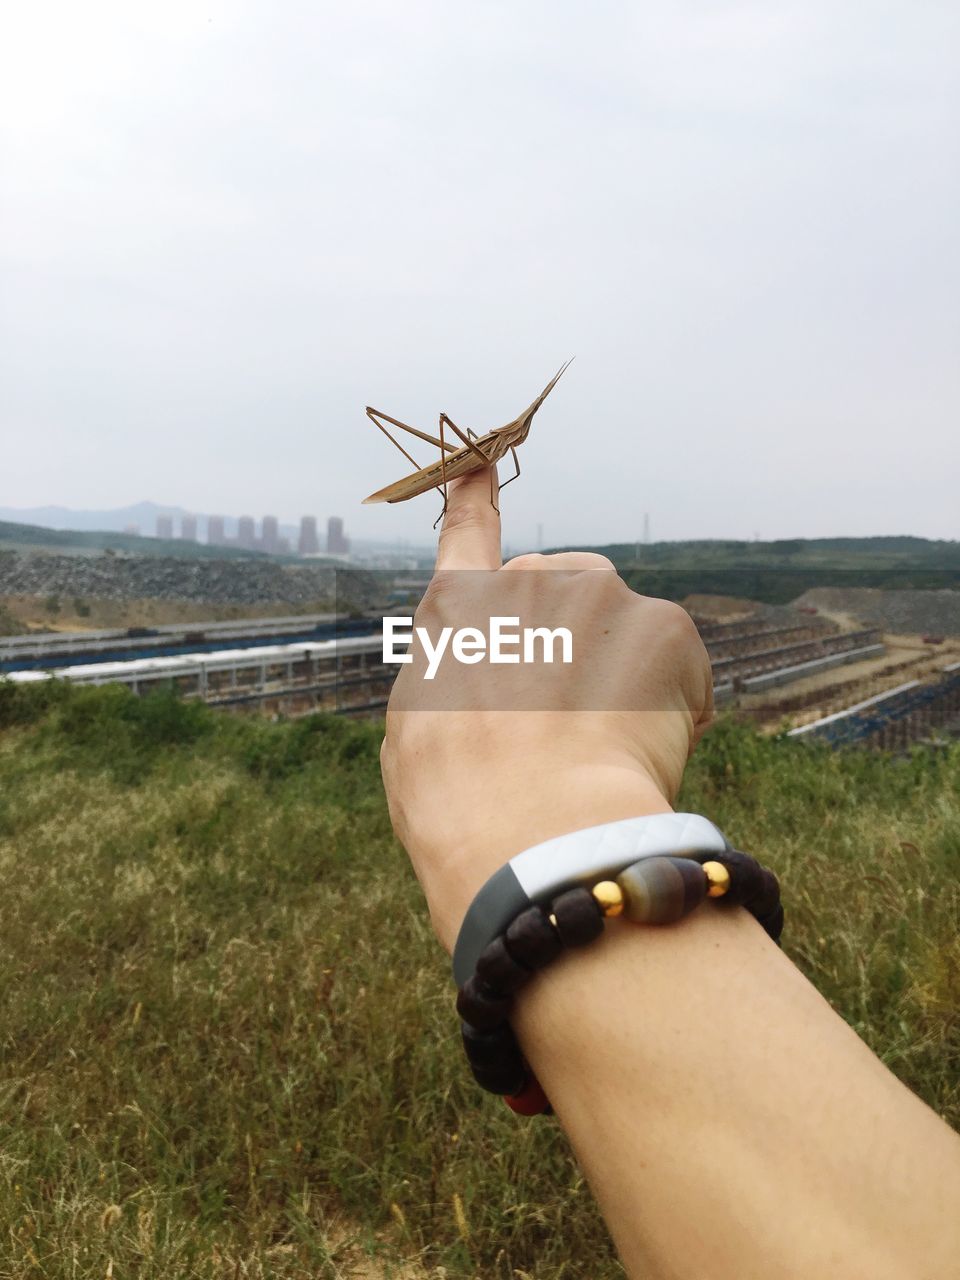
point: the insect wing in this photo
(492, 445)
(455, 464)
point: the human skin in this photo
(730, 1124)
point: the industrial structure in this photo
(345, 675)
(337, 542)
(764, 668)
(247, 533)
(308, 543)
(53, 651)
(270, 534)
(269, 538)
(894, 719)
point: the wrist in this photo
(527, 816)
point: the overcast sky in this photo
(227, 227)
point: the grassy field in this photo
(228, 1043)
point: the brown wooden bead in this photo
(532, 940)
(746, 879)
(662, 890)
(480, 1006)
(497, 969)
(507, 1077)
(578, 916)
(487, 1048)
(767, 897)
(772, 922)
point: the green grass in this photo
(227, 1043)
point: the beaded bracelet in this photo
(656, 890)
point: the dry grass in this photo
(227, 1045)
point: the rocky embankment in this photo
(898, 612)
(213, 582)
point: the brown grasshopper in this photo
(474, 452)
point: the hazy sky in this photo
(227, 227)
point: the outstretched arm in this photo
(729, 1122)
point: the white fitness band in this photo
(580, 857)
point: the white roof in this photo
(190, 664)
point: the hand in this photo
(716, 1104)
(484, 760)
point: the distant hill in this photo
(145, 514)
(25, 537)
(114, 520)
(778, 572)
(833, 552)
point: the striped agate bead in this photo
(662, 890)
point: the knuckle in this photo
(529, 560)
(674, 618)
(437, 590)
(594, 560)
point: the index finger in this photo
(470, 534)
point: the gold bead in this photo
(609, 897)
(718, 879)
(553, 919)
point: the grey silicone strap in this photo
(579, 857)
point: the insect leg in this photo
(443, 469)
(443, 474)
(376, 414)
(466, 439)
(516, 463)
(372, 415)
(479, 452)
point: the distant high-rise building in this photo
(131, 528)
(247, 533)
(188, 528)
(308, 544)
(164, 526)
(337, 543)
(215, 534)
(271, 534)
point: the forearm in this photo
(730, 1124)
